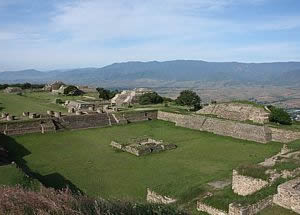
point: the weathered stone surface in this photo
(26, 127)
(57, 114)
(210, 210)
(284, 136)
(153, 197)
(223, 127)
(219, 184)
(288, 195)
(237, 111)
(245, 185)
(143, 146)
(235, 209)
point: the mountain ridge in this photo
(164, 71)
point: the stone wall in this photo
(288, 195)
(84, 121)
(245, 185)
(237, 111)
(284, 136)
(26, 127)
(236, 209)
(153, 197)
(223, 127)
(73, 122)
(210, 210)
(139, 116)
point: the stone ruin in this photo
(288, 195)
(237, 111)
(153, 197)
(13, 90)
(143, 146)
(128, 97)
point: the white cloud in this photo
(91, 33)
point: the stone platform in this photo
(143, 146)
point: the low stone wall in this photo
(235, 209)
(153, 197)
(210, 210)
(27, 127)
(284, 136)
(140, 116)
(245, 185)
(234, 129)
(288, 195)
(84, 121)
(238, 130)
(72, 122)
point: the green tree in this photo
(150, 98)
(72, 91)
(279, 115)
(106, 94)
(190, 99)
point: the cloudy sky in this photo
(51, 34)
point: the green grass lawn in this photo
(38, 102)
(275, 210)
(10, 175)
(32, 102)
(86, 159)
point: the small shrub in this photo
(279, 115)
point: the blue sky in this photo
(51, 34)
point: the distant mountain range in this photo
(170, 73)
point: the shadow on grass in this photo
(16, 153)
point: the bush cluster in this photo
(150, 98)
(279, 115)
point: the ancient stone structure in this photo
(54, 86)
(33, 116)
(4, 115)
(57, 114)
(288, 195)
(143, 146)
(223, 127)
(26, 114)
(210, 210)
(50, 112)
(153, 197)
(15, 90)
(26, 127)
(128, 96)
(237, 111)
(245, 185)
(10, 118)
(236, 209)
(284, 136)
(137, 116)
(79, 105)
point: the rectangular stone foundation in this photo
(143, 146)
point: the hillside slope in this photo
(134, 73)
